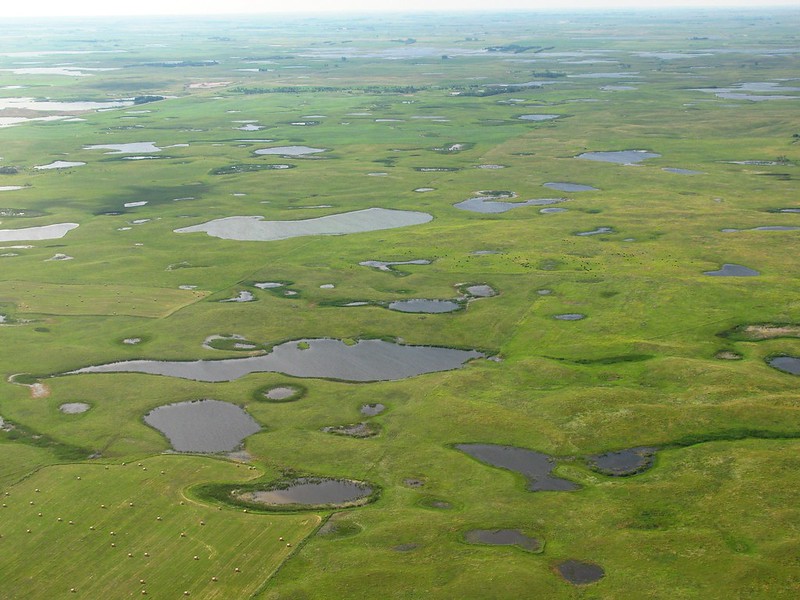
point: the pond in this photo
(538, 117)
(580, 573)
(282, 393)
(243, 296)
(202, 425)
(564, 186)
(570, 317)
(502, 537)
(312, 492)
(290, 150)
(732, 270)
(623, 462)
(787, 364)
(480, 291)
(59, 164)
(367, 360)
(44, 232)
(489, 206)
(74, 408)
(424, 306)
(131, 148)
(535, 466)
(371, 410)
(620, 157)
(597, 231)
(387, 265)
(359, 221)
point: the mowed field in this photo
(604, 333)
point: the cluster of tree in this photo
(146, 99)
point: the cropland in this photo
(401, 306)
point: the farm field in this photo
(401, 306)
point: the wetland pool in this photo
(254, 228)
(309, 491)
(619, 157)
(202, 425)
(367, 360)
(44, 232)
(502, 537)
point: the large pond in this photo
(732, 270)
(367, 360)
(359, 221)
(621, 157)
(56, 106)
(491, 206)
(424, 306)
(787, 364)
(203, 425)
(290, 150)
(45, 232)
(311, 492)
(535, 466)
(131, 148)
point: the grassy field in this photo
(714, 517)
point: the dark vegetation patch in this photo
(728, 355)
(355, 430)
(503, 537)
(152, 194)
(21, 213)
(24, 435)
(9, 170)
(435, 503)
(248, 168)
(762, 331)
(338, 528)
(606, 360)
(436, 169)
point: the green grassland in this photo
(715, 517)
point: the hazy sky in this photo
(33, 8)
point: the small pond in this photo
(74, 408)
(565, 186)
(359, 221)
(490, 206)
(787, 364)
(535, 466)
(290, 150)
(370, 410)
(580, 573)
(597, 231)
(387, 265)
(538, 117)
(621, 157)
(59, 164)
(354, 430)
(502, 537)
(424, 306)
(552, 211)
(312, 492)
(202, 425)
(282, 393)
(570, 317)
(367, 360)
(243, 296)
(45, 232)
(623, 462)
(732, 270)
(480, 291)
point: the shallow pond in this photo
(45, 232)
(621, 157)
(564, 186)
(131, 148)
(579, 572)
(424, 306)
(763, 228)
(312, 492)
(370, 410)
(202, 425)
(243, 296)
(502, 537)
(480, 291)
(12, 188)
(570, 317)
(59, 164)
(623, 462)
(367, 360)
(290, 150)
(281, 393)
(552, 211)
(787, 364)
(491, 206)
(355, 430)
(387, 265)
(269, 285)
(538, 117)
(682, 171)
(732, 270)
(359, 221)
(74, 408)
(535, 466)
(597, 231)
